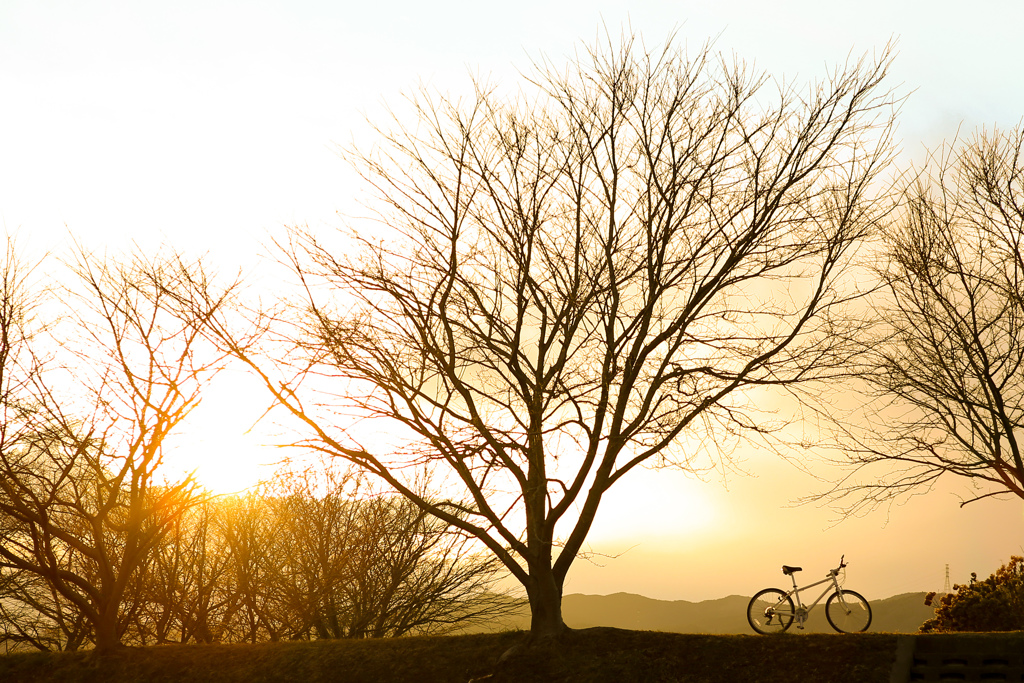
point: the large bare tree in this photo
(567, 282)
(948, 373)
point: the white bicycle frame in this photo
(803, 610)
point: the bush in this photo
(995, 604)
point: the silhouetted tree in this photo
(185, 589)
(948, 376)
(567, 283)
(79, 499)
(34, 616)
(251, 535)
(411, 573)
(359, 564)
(321, 538)
(30, 613)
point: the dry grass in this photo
(598, 655)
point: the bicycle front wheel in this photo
(848, 612)
(770, 611)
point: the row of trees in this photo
(98, 548)
(290, 564)
(612, 267)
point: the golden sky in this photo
(211, 124)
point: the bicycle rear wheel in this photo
(849, 613)
(770, 611)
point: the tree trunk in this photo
(107, 638)
(545, 593)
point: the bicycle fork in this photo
(842, 601)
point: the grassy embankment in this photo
(597, 655)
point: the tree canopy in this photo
(946, 370)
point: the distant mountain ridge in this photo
(899, 614)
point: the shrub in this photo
(995, 604)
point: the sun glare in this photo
(218, 440)
(653, 504)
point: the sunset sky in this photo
(210, 125)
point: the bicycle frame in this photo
(803, 610)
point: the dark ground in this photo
(597, 654)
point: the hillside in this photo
(899, 614)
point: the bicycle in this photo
(773, 611)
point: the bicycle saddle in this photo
(787, 570)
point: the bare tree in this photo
(358, 564)
(410, 572)
(34, 616)
(20, 299)
(29, 614)
(186, 591)
(569, 283)
(79, 495)
(317, 545)
(250, 531)
(948, 376)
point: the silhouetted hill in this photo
(899, 614)
(902, 613)
(635, 612)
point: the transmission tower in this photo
(947, 588)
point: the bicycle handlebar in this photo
(842, 564)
